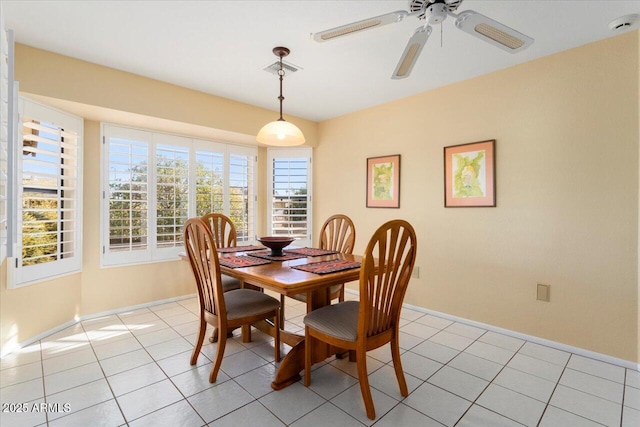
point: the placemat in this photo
(286, 257)
(241, 261)
(245, 248)
(324, 267)
(311, 251)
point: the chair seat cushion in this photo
(247, 302)
(230, 283)
(334, 293)
(338, 320)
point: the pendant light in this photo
(280, 133)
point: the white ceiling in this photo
(221, 47)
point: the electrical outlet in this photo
(543, 292)
(416, 272)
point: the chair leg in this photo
(363, 379)
(341, 297)
(397, 363)
(222, 342)
(282, 311)
(307, 357)
(198, 347)
(246, 333)
(276, 338)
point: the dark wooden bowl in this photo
(275, 243)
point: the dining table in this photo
(284, 277)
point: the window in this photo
(49, 231)
(127, 195)
(172, 194)
(145, 207)
(290, 193)
(241, 195)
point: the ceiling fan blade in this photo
(365, 24)
(493, 32)
(411, 53)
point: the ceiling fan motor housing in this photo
(436, 13)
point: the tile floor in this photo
(133, 369)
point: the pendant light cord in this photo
(281, 98)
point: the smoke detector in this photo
(624, 23)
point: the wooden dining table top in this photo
(280, 277)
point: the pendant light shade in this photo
(280, 133)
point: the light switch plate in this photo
(543, 292)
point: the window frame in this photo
(290, 153)
(152, 254)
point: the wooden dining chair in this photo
(223, 310)
(337, 234)
(222, 228)
(373, 321)
(224, 236)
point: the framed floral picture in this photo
(470, 175)
(383, 182)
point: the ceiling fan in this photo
(434, 12)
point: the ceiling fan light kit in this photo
(280, 133)
(435, 12)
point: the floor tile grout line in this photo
(591, 394)
(555, 387)
(143, 347)
(489, 383)
(581, 391)
(80, 385)
(624, 392)
(106, 380)
(230, 378)
(322, 397)
(44, 385)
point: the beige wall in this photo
(31, 310)
(567, 173)
(566, 130)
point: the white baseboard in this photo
(553, 344)
(6, 351)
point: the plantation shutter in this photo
(126, 195)
(172, 194)
(242, 193)
(50, 191)
(290, 194)
(209, 179)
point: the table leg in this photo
(291, 366)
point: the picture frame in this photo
(470, 175)
(383, 181)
